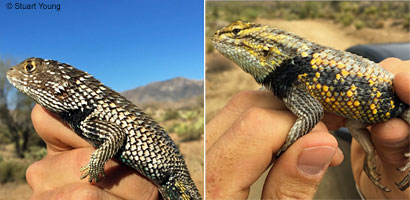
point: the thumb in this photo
(298, 172)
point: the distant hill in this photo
(175, 93)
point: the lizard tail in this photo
(176, 189)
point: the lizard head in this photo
(254, 47)
(50, 83)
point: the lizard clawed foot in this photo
(404, 184)
(369, 167)
(93, 171)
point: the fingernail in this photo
(313, 160)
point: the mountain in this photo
(177, 90)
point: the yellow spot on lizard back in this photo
(344, 72)
(353, 88)
(313, 61)
(371, 82)
(349, 93)
(338, 76)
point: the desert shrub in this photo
(12, 171)
(345, 18)
(406, 22)
(359, 24)
(191, 125)
(171, 115)
(191, 131)
(35, 153)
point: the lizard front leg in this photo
(308, 111)
(110, 139)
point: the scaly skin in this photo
(310, 79)
(112, 124)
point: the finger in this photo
(240, 103)
(395, 65)
(57, 135)
(391, 139)
(298, 172)
(75, 191)
(402, 87)
(245, 151)
(59, 170)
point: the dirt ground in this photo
(222, 85)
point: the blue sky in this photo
(124, 44)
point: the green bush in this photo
(171, 115)
(35, 153)
(359, 24)
(12, 171)
(191, 126)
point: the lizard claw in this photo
(404, 184)
(93, 172)
(369, 167)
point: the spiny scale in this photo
(111, 123)
(311, 79)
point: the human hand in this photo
(58, 174)
(391, 140)
(243, 138)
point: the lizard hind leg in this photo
(404, 184)
(362, 136)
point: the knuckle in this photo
(35, 116)
(33, 174)
(295, 191)
(390, 60)
(238, 101)
(251, 122)
(250, 119)
(86, 193)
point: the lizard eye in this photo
(29, 68)
(235, 31)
